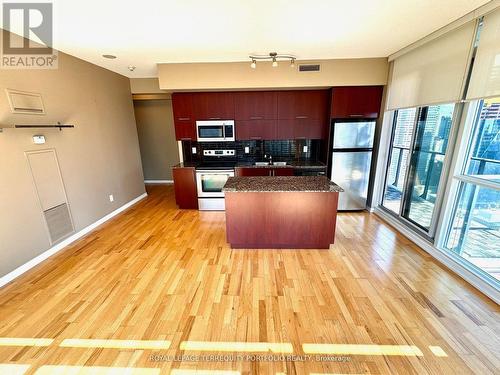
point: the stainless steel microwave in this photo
(215, 131)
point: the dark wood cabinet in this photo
(265, 171)
(255, 105)
(283, 171)
(184, 119)
(356, 102)
(303, 104)
(186, 195)
(213, 105)
(255, 129)
(302, 129)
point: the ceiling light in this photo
(109, 57)
(274, 57)
(131, 68)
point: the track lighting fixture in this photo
(274, 57)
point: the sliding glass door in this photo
(419, 142)
(429, 149)
(473, 232)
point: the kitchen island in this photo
(296, 212)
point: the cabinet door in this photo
(285, 129)
(249, 172)
(184, 121)
(255, 129)
(185, 131)
(255, 105)
(213, 106)
(356, 102)
(182, 105)
(186, 195)
(283, 171)
(303, 104)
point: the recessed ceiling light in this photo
(109, 56)
(131, 68)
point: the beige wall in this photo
(155, 126)
(100, 156)
(239, 75)
(145, 86)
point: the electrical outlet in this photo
(111, 198)
(304, 149)
(193, 150)
(247, 150)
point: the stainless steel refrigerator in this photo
(351, 157)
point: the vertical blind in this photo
(434, 72)
(485, 78)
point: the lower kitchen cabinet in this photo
(249, 172)
(266, 171)
(186, 195)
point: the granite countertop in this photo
(281, 184)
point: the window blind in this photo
(485, 78)
(434, 72)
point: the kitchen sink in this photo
(280, 163)
(261, 163)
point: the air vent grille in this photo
(309, 68)
(58, 222)
(25, 102)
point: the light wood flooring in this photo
(167, 279)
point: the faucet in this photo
(270, 158)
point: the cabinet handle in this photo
(356, 115)
(256, 138)
(300, 138)
(256, 117)
(301, 117)
(214, 118)
(186, 139)
(183, 118)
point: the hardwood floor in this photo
(167, 279)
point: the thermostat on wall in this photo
(39, 139)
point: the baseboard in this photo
(61, 245)
(453, 263)
(158, 181)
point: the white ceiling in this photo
(144, 33)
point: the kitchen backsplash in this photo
(280, 150)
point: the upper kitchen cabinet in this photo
(184, 119)
(255, 129)
(255, 105)
(303, 104)
(214, 105)
(356, 102)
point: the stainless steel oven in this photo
(209, 185)
(215, 131)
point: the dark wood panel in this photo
(303, 104)
(248, 172)
(356, 102)
(213, 105)
(185, 130)
(255, 129)
(255, 105)
(283, 171)
(182, 104)
(186, 195)
(281, 220)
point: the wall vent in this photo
(58, 222)
(22, 102)
(309, 68)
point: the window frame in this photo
(434, 227)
